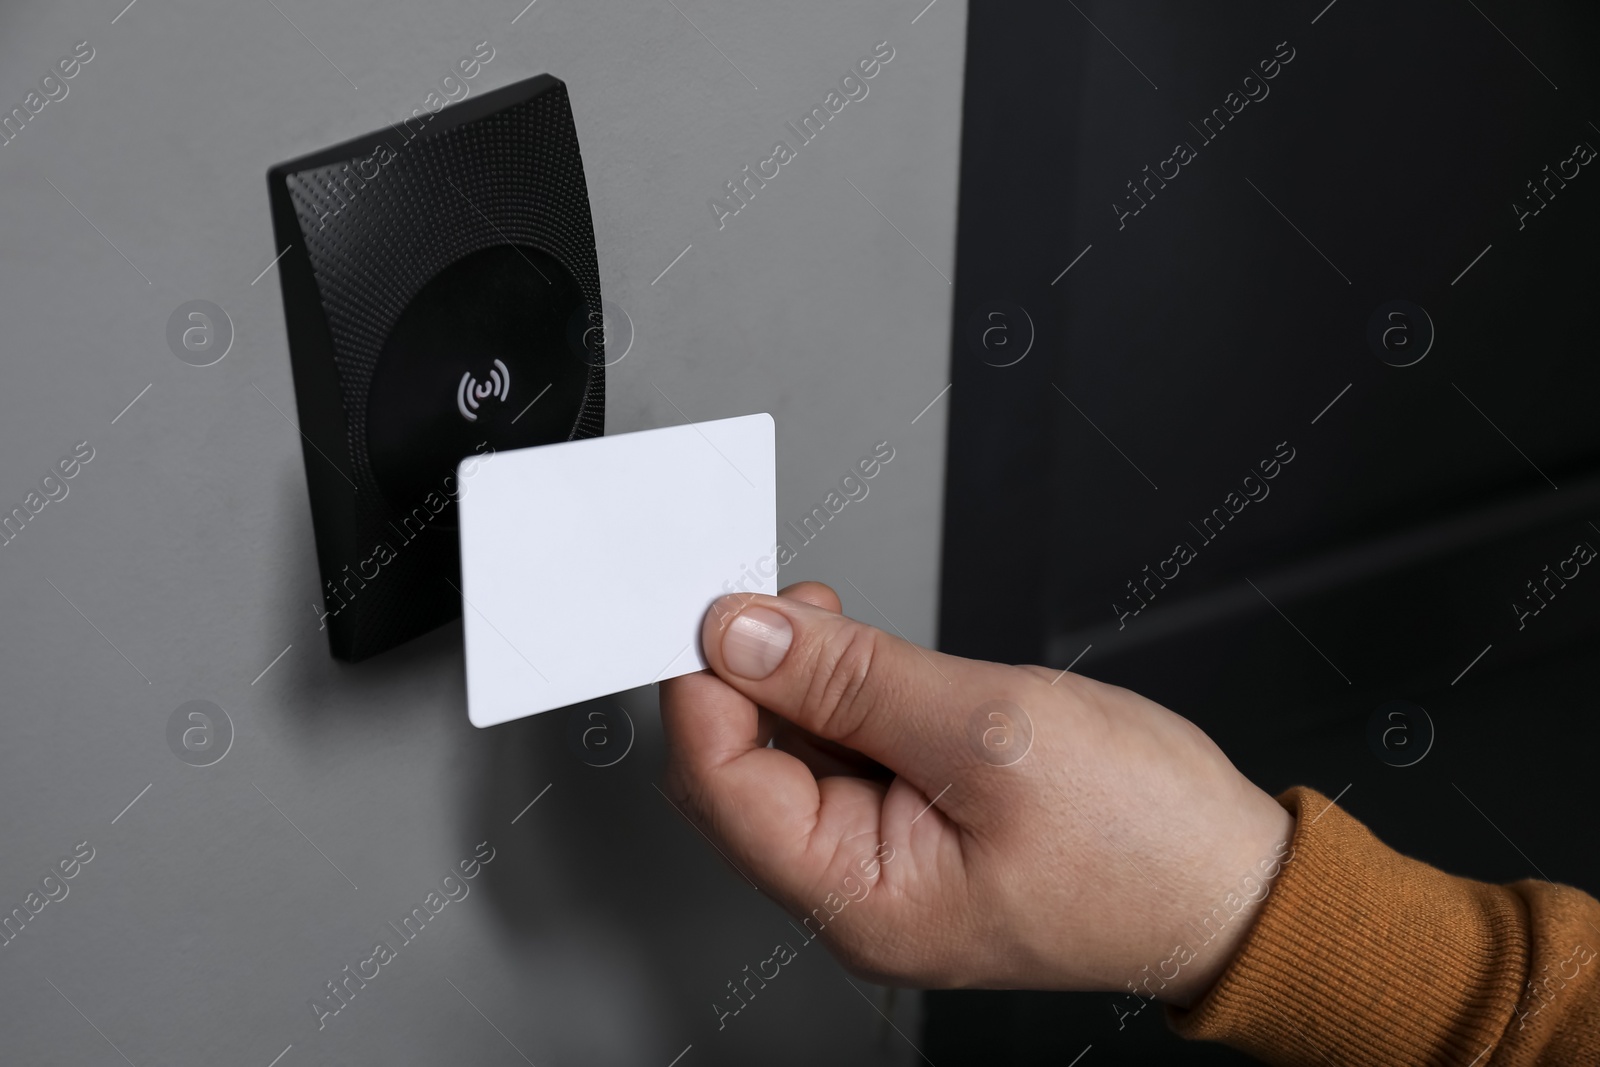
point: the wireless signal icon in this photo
(469, 391)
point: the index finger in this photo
(773, 819)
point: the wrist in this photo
(1219, 918)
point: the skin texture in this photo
(1075, 866)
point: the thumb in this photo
(844, 680)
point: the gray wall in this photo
(180, 563)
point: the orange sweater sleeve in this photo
(1362, 956)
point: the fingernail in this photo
(756, 643)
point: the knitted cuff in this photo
(1363, 956)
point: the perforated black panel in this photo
(376, 226)
(514, 177)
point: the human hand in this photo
(1079, 865)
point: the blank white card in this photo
(587, 566)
